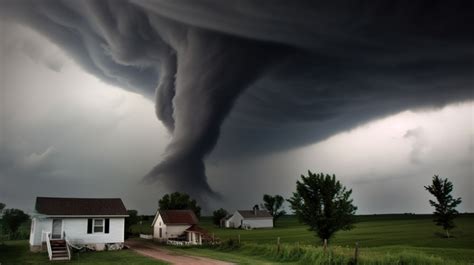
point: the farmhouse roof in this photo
(80, 206)
(197, 229)
(257, 214)
(176, 217)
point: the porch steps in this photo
(59, 250)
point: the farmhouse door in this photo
(57, 228)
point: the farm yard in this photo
(383, 239)
(380, 237)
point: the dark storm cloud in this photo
(312, 68)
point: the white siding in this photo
(76, 231)
(259, 223)
(156, 229)
(40, 224)
(235, 220)
(168, 231)
(175, 230)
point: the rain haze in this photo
(136, 99)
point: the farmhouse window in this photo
(98, 225)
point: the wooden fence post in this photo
(356, 253)
(278, 244)
(325, 245)
(239, 239)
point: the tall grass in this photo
(306, 254)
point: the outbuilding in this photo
(249, 219)
(178, 227)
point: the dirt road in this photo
(152, 250)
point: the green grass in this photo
(379, 235)
(251, 253)
(17, 253)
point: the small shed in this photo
(178, 227)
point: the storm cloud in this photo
(305, 69)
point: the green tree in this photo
(2, 206)
(274, 204)
(179, 201)
(132, 219)
(217, 215)
(324, 204)
(445, 207)
(12, 219)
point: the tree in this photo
(273, 204)
(324, 204)
(217, 216)
(2, 206)
(130, 220)
(179, 201)
(445, 211)
(13, 218)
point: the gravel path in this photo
(152, 250)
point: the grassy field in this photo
(17, 253)
(376, 234)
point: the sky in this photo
(87, 123)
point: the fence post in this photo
(239, 239)
(213, 239)
(325, 245)
(278, 244)
(356, 253)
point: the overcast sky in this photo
(67, 131)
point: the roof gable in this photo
(80, 206)
(249, 214)
(177, 217)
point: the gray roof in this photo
(250, 214)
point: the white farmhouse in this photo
(178, 227)
(249, 219)
(59, 223)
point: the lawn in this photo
(376, 234)
(17, 253)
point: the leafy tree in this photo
(217, 216)
(12, 219)
(132, 219)
(2, 206)
(445, 211)
(274, 204)
(179, 201)
(324, 204)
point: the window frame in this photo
(94, 225)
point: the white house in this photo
(249, 219)
(59, 223)
(178, 227)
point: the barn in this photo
(249, 219)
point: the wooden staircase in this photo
(59, 250)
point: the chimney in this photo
(255, 209)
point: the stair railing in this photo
(47, 236)
(66, 239)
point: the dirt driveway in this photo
(152, 250)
